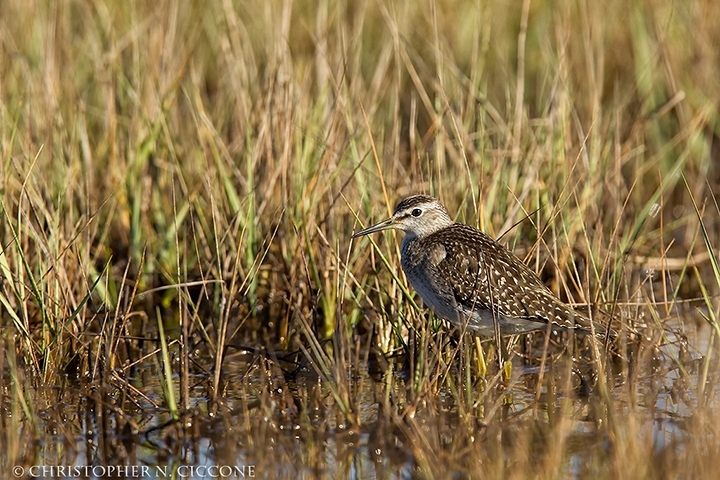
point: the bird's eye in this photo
(416, 212)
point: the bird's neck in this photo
(408, 240)
(436, 226)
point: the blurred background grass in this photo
(198, 132)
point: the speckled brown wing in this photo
(484, 275)
(478, 274)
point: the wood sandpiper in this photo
(469, 279)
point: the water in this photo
(274, 419)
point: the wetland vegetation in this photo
(180, 182)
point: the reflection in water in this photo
(278, 416)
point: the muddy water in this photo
(278, 418)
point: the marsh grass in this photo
(180, 182)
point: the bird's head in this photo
(417, 216)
